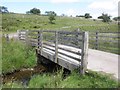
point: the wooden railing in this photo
(76, 43)
(105, 41)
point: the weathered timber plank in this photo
(63, 49)
(62, 60)
(26, 38)
(65, 53)
(51, 31)
(109, 36)
(69, 39)
(69, 32)
(66, 48)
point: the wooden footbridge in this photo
(69, 49)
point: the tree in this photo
(63, 15)
(52, 16)
(105, 17)
(116, 18)
(87, 15)
(28, 12)
(80, 16)
(3, 9)
(48, 13)
(34, 11)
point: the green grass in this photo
(74, 80)
(14, 22)
(13, 85)
(16, 55)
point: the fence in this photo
(105, 41)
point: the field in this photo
(14, 22)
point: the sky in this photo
(67, 7)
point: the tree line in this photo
(52, 14)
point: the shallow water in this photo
(23, 75)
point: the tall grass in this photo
(16, 55)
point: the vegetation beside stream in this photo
(74, 80)
(16, 55)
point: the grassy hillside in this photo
(13, 22)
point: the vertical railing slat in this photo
(26, 38)
(96, 41)
(41, 42)
(7, 38)
(56, 46)
(38, 46)
(18, 33)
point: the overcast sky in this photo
(68, 7)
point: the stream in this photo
(24, 75)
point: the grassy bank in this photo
(74, 80)
(14, 22)
(16, 55)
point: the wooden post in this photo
(26, 38)
(18, 33)
(41, 42)
(77, 37)
(84, 55)
(38, 40)
(56, 46)
(40, 46)
(7, 38)
(96, 41)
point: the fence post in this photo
(38, 46)
(77, 36)
(56, 46)
(18, 33)
(41, 42)
(26, 38)
(7, 38)
(84, 55)
(96, 41)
